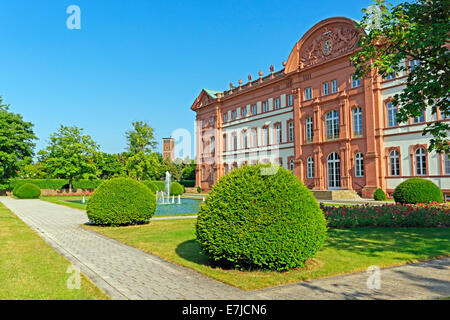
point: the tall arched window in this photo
(254, 137)
(213, 145)
(334, 171)
(357, 122)
(278, 133)
(359, 165)
(244, 139)
(291, 131)
(224, 143)
(421, 162)
(309, 130)
(310, 167)
(332, 125)
(266, 135)
(447, 163)
(291, 165)
(394, 163)
(391, 114)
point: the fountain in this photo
(167, 185)
(84, 200)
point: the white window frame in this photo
(326, 88)
(332, 125)
(359, 165)
(446, 163)
(334, 86)
(355, 82)
(278, 134)
(291, 131)
(357, 122)
(277, 103)
(309, 127)
(310, 168)
(394, 163)
(290, 100)
(254, 110)
(420, 162)
(391, 115)
(265, 106)
(291, 165)
(419, 119)
(308, 93)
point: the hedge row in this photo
(389, 215)
(53, 184)
(187, 183)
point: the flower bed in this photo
(390, 215)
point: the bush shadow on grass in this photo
(190, 251)
(372, 242)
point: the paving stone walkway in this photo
(124, 272)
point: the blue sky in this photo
(141, 59)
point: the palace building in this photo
(333, 131)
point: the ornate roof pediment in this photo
(327, 40)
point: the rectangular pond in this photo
(187, 206)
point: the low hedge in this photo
(121, 201)
(41, 183)
(417, 190)
(86, 184)
(176, 189)
(28, 191)
(389, 216)
(187, 183)
(258, 218)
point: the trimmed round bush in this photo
(255, 221)
(379, 195)
(417, 190)
(151, 185)
(28, 191)
(176, 189)
(17, 186)
(121, 201)
(199, 189)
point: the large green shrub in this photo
(176, 189)
(417, 190)
(379, 195)
(151, 185)
(28, 191)
(121, 201)
(260, 221)
(17, 186)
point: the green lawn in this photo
(30, 269)
(346, 251)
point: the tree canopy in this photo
(141, 138)
(70, 155)
(416, 31)
(16, 142)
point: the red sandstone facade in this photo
(341, 136)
